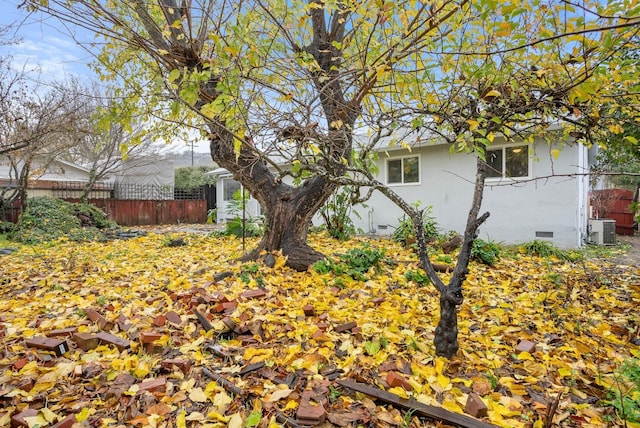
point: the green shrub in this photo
(336, 214)
(250, 226)
(355, 262)
(46, 219)
(417, 276)
(485, 252)
(625, 395)
(6, 227)
(405, 232)
(546, 249)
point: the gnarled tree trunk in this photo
(288, 212)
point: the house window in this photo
(229, 187)
(511, 162)
(403, 170)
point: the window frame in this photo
(224, 181)
(503, 149)
(401, 159)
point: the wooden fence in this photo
(128, 204)
(131, 212)
(614, 204)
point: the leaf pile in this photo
(279, 339)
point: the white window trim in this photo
(504, 159)
(412, 155)
(222, 182)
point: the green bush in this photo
(485, 252)
(250, 226)
(6, 227)
(336, 214)
(405, 233)
(545, 249)
(355, 262)
(625, 395)
(46, 219)
(417, 276)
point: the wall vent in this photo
(541, 234)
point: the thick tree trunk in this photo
(288, 217)
(288, 209)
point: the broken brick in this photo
(173, 318)
(183, 365)
(18, 420)
(204, 320)
(227, 307)
(230, 323)
(377, 300)
(62, 332)
(153, 385)
(309, 310)
(323, 326)
(123, 323)
(254, 294)
(110, 339)
(19, 364)
(310, 412)
(320, 336)
(526, 346)
(66, 422)
(94, 316)
(57, 346)
(345, 326)
(86, 341)
(25, 384)
(395, 379)
(149, 336)
(159, 321)
(152, 300)
(475, 406)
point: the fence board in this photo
(616, 206)
(131, 212)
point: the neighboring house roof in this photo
(57, 170)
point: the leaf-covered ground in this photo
(281, 338)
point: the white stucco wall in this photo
(518, 211)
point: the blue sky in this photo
(44, 42)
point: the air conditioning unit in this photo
(602, 231)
